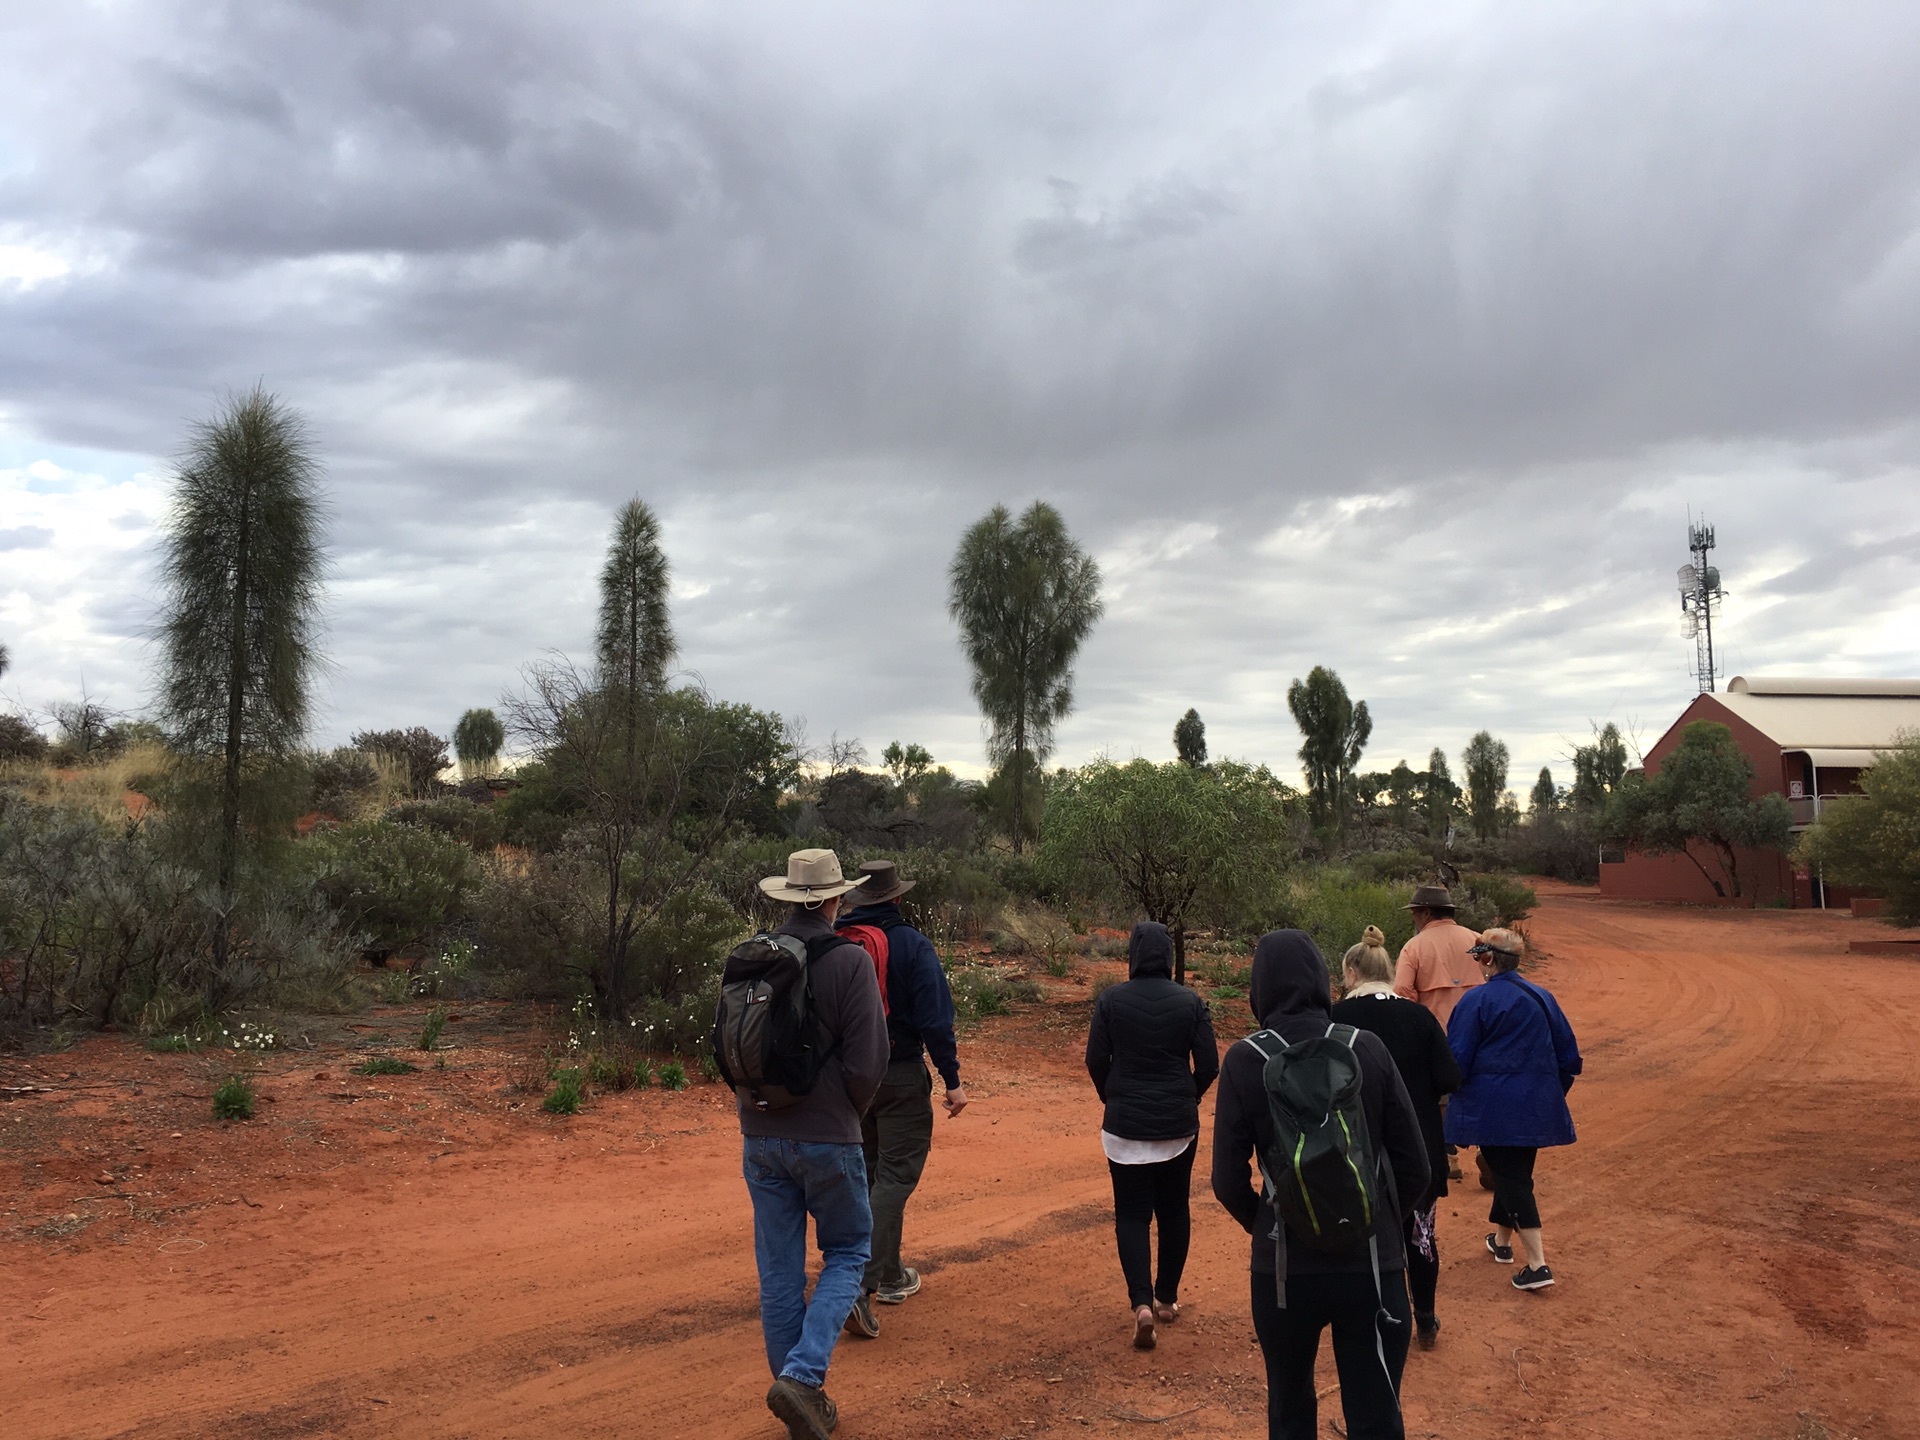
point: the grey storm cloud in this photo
(1388, 338)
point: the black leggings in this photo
(1423, 1273)
(1142, 1194)
(1370, 1354)
(1512, 1167)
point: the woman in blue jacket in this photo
(1518, 1059)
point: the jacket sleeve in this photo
(1566, 1051)
(932, 1013)
(1446, 1077)
(863, 1032)
(1406, 974)
(1206, 1051)
(1463, 1032)
(1233, 1145)
(1099, 1048)
(1400, 1138)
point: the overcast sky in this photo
(1396, 338)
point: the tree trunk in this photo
(1705, 874)
(1179, 929)
(1019, 780)
(229, 842)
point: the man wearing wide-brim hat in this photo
(1435, 968)
(805, 1160)
(898, 1129)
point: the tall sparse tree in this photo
(5, 659)
(1441, 794)
(1598, 768)
(1336, 732)
(1025, 595)
(1190, 739)
(478, 739)
(634, 641)
(1485, 762)
(1544, 799)
(242, 568)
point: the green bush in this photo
(642, 1073)
(564, 1097)
(343, 781)
(709, 1067)
(383, 1065)
(430, 1033)
(395, 884)
(673, 1075)
(1484, 901)
(603, 1069)
(233, 1099)
(1871, 841)
(1334, 908)
(478, 827)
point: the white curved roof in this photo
(1826, 715)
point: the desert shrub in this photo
(564, 1097)
(20, 741)
(478, 827)
(642, 1073)
(1334, 908)
(1484, 901)
(673, 1075)
(1388, 867)
(430, 1032)
(1562, 845)
(709, 1067)
(384, 1065)
(394, 884)
(538, 812)
(682, 1023)
(1872, 841)
(978, 992)
(233, 1099)
(345, 782)
(423, 753)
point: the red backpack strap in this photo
(873, 940)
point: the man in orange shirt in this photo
(1434, 967)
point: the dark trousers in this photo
(1141, 1195)
(896, 1133)
(1369, 1357)
(1423, 1271)
(1512, 1167)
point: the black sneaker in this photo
(1502, 1253)
(897, 1294)
(804, 1409)
(1533, 1277)
(1427, 1329)
(861, 1320)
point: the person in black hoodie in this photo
(1152, 1055)
(1291, 996)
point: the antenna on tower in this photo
(1700, 597)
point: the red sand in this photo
(1736, 1235)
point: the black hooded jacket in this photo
(1291, 996)
(1151, 1051)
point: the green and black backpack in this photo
(1321, 1171)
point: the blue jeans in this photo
(790, 1180)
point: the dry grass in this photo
(104, 789)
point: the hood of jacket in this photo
(1149, 951)
(1289, 977)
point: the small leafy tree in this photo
(1485, 762)
(1165, 838)
(1190, 739)
(1701, 794)
(1336, 731)
(242, 569)
(1025, 596)
(477, 741)
(1871, 841)
(1598, 769)
(423, 753)
(906, 764)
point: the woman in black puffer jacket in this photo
(1151, 1054)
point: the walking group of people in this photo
(1449, 1047)
(825, 1025)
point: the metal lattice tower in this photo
(1700, 597)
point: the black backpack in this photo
(1321, 1171)
(767, 1036)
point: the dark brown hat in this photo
(882, 883)
(1430, 897)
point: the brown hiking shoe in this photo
(805, 1410)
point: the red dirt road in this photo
(1737, 1237)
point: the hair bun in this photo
(1372, 936)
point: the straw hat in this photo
(812, 875)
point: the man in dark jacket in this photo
(897, 1132)
(805, 1160)
(1152, 1055)
(1291, 996)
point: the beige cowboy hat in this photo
(811, 875)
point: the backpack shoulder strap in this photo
(818, 945)
(1345, 1034)
(1261, 1050)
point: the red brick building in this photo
(1808, 740)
